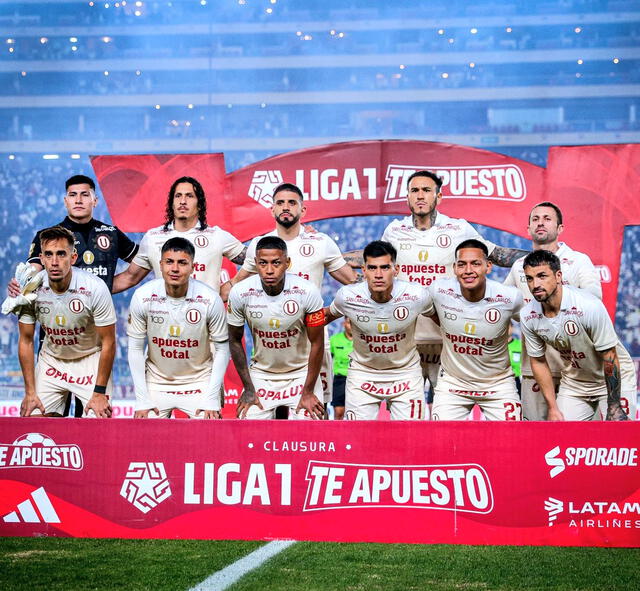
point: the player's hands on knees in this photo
(13, 289)
(99, 404)
(29, 404)
(615, 412)
(554, 414)
(309, 402)
(144, 414)
(247, 399)
(209, 414)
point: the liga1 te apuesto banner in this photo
(417, 482)
(595, 186)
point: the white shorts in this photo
(404, 397)
(275, 393)
(57, 378)
(534, 406)
(187, 399)
(575, 407)
(453, 401)
(430, 361)
(326, 376)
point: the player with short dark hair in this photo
(179, 318)
(597, 372)
(76, 312)
(385, 365)
(475, 316)
(545, 227)
(284, 313)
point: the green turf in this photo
(404, 567)
(66, 564)
(63, 564)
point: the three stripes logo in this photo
(35, 509)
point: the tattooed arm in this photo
(354, 259)
(240, 258)
(505, 257)
(612, 379)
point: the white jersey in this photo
(178, 330)
(578, 271)
(581, 329)
(211, 245)
(426, 255)
(476, 334)
(311, 253)
(278, 323)
(69, 319)
(383, 334)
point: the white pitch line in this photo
(226, 577)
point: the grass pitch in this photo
(70, 564)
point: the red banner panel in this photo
(419, 482)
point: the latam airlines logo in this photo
(35, 450)
(589, 456)
(499, 182)
(594, 514)
(451, 487)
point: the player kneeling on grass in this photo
(598, 373)
(385, 364)
(475, 315)
(179, 317)
(76, 312)
(285, 316)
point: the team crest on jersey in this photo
(469, 328)
(103, 242)
(383, 327)
(88, 257)
(571, 328)
(274, 322)
(290, 307)
(76, 305)
(492, 315)
(201, 241)
(61, 320)
(423, 256)
(306, 250)
(443, 241)
(193, 316)
(401, 313)
(175, 330)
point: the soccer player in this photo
(425, 242)
(186, 217)
(385, 364)
(475, 316)
(597, 371)
(178, 317)
(98, 245)
(284, 313)
(311, 253)
(78, 317)
(545, 226)
(341, 345)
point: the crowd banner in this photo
(594, 186)
(513, 483)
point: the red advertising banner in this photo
(594, 186)
(418, 482)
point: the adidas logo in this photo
(36, 509)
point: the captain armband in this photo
(315, 318)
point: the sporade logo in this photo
(589, 456)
